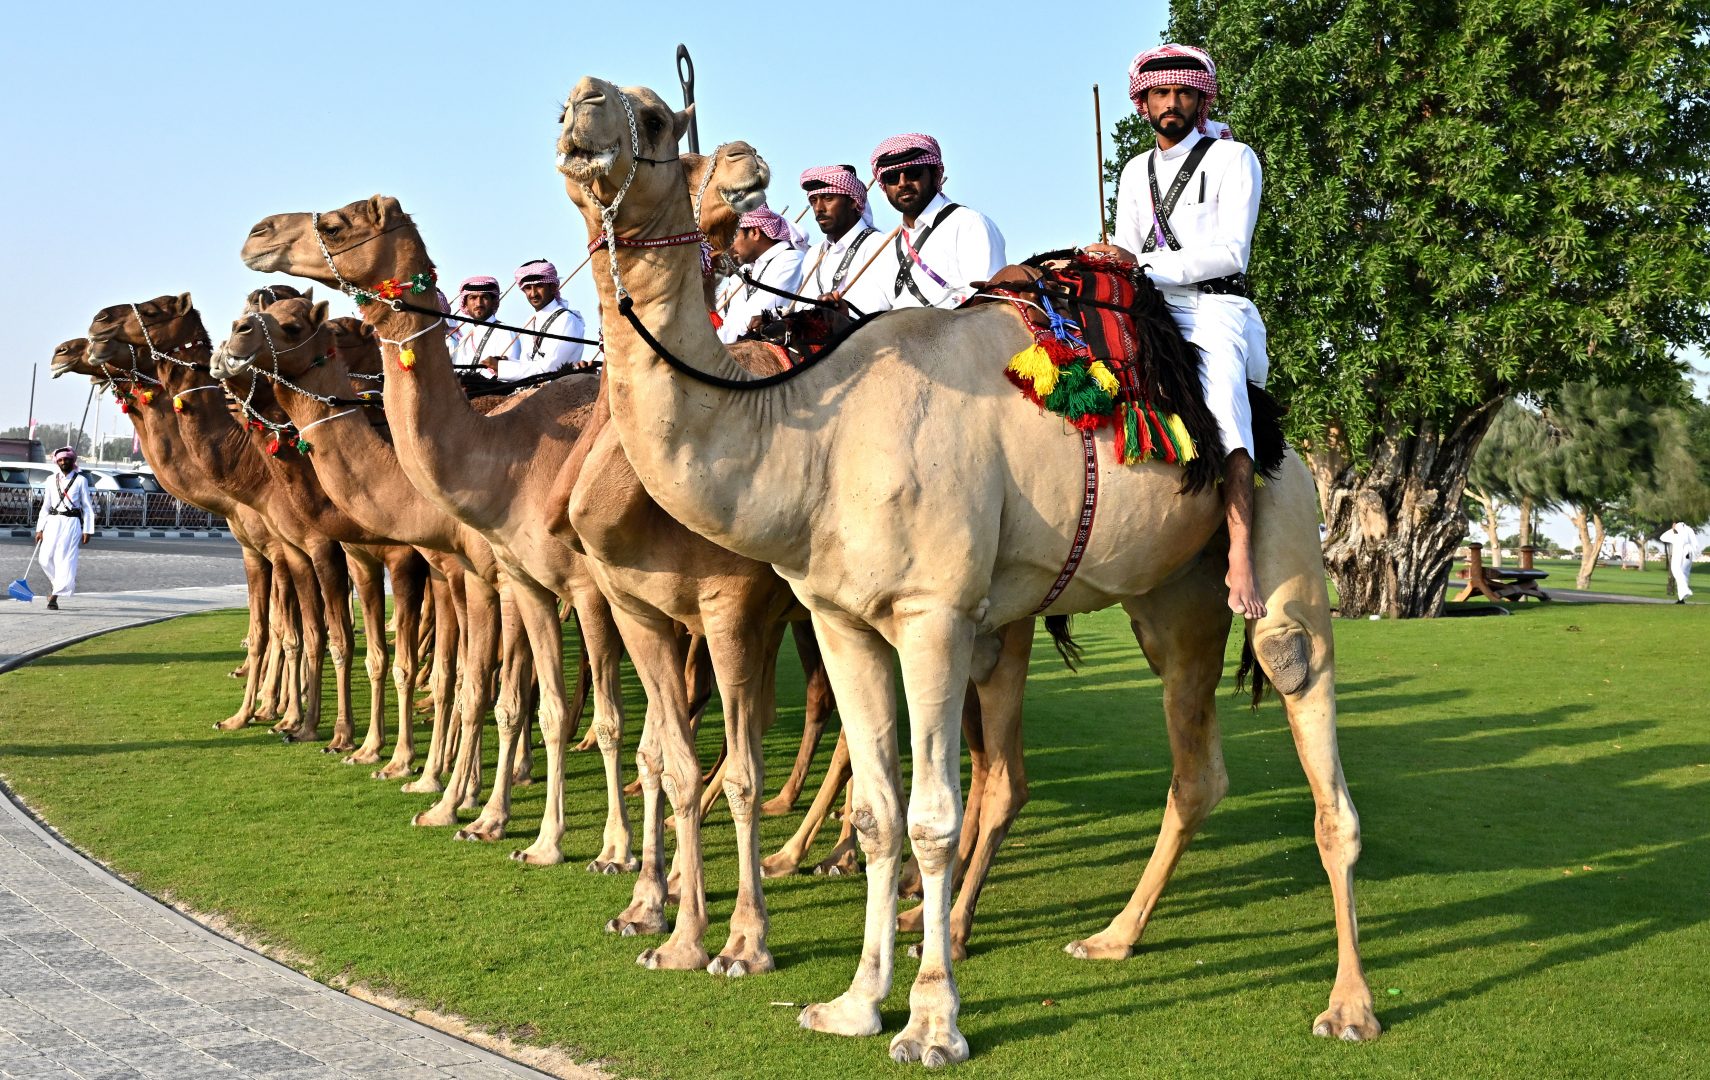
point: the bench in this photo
(1495, 583)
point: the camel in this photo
(916, 503)
(265, 570)
(497, 471)
(170, 331)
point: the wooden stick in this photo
(1098, 135)
(888, 236)
(811, 269)
(578, 269)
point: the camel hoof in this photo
(485, 832)
(435, 818)
(775, 867)
(535, 856)
(1090, 949)
(235, 722)
(777, 807)
(393, 771)
(337, 747)
(670, 958)
(613, 867)
(841, 1017)
(363, 757)
(624, 929)
(422, 785)
(1350, 1023)
(909, 922)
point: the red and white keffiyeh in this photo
(774, 225)
(837, 179)
(64, 453)
(537, 270)
(481, 283)
(911, 148)
(1171, 64)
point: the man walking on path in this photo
(1682, 546)
(66, 523)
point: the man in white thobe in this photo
(771, 254)
(538, 280)
(839, 203)
(941, 248)
(1195, 250)
(66, 523)
(1682, 548)
(478, 298)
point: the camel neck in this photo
(689, 442)
(166, 451)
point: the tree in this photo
(53, 436)
(1464, 201)
(1504, 470)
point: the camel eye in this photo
(655, 124)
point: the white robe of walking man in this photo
(1682, 546)
(62, 528)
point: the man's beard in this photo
(1171, 126)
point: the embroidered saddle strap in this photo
(545, 327)
(1165, 205)
(481, 346)
(906, 259)
(1083, 529)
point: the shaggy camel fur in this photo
(916, 502)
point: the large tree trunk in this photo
(1590, 526)
(1526, 512)
(1395, 518)
(1643, 543)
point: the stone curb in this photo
(140, 534)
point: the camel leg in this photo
(843, 859)
(1182, 627)
(998, 788)
(1295, 646)
(480, 656)
(603, 647)
(516, 671)
(859, 663)
(333, 573)
(257, 576)
(819, 705)
(658, 651)
(286, 636)
(788, 859)
(698, 677)
(447, 616)
(584, 676)
(303, 670)
(539, 610)
(408, 585)
(366, 572)
(935, 648)
(745, 659)
(908, 886)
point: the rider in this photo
(839, 202)
(482, 346)
(538, 280)
(771, 253)
(1195, 251)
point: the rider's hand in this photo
(491, 363)
(1109, 249)
(38, 538)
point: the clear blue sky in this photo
(144, 140)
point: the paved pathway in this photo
(99, 981)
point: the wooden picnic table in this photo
(1499, 584)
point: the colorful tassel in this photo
(302, 445)
(147, 396)
(1078, 399)
(406, 359)
(1128, 436)
(1035, 367)
(1184, 441)
(177, 403)
(1105, 378)
(273, 446)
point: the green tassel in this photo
(1131, 434)
(1077, 394)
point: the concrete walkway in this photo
(99, 981)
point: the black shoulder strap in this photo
(849, 256)
(540, 342)
(905, 264)
(1163, 207)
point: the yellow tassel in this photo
(1183, 439)
(1103, 376)
(147, 397)
(177, 404)
(406, 358)
(1034, 365)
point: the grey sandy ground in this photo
(99, 981)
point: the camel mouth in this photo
(225, 364)
(742, 200)
(584, 164)
(267, 260)
(62, 367)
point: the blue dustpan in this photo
(20, 589)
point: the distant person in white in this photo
(771, 253)
(1682, 549)
(478, 298)
(1195, 250)
(942, 247)
(66, 523)
(839, 202)
(538, 280)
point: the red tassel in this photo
(1145, 436)
(1166, 449)
(1060, 352)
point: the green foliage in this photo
(1466, 200)
(1531, 859)
(1616, 450)
(1507, 460)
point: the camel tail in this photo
(584, 677)
(1058, 627)
(1250, 667)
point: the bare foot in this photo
(1245, 599)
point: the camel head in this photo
(357, 344)
(738, 185)
(258, 299)
(363, 242)
(598, 154)
(122, 334)
(288, 337)
(72, 358)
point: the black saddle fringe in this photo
(1250, 667)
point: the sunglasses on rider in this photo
(891, 177)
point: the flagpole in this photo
(30, 421)
(1098, 137)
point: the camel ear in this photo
(681, 121)
(367, 330)
(385, 209)
(309, 293)
(318, 314)
(185, 304)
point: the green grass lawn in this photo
(1535, 793)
